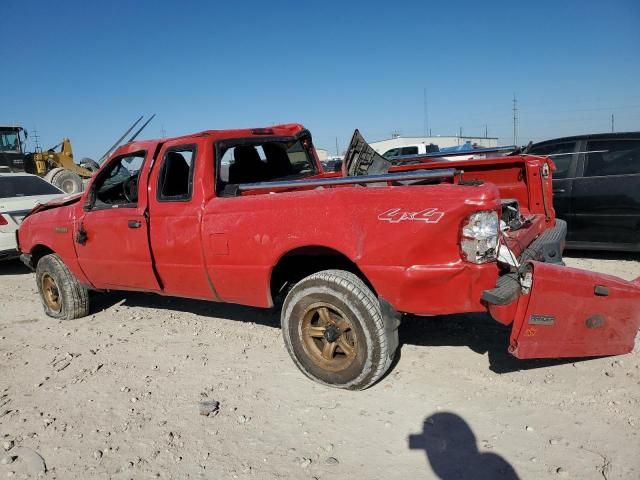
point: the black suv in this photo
(596, 188)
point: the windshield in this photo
(24, 186)
(9, 142)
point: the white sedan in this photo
(19, 193)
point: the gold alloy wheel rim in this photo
(50, 293)
(328, 337)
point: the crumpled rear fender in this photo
(570, 312)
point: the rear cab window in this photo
(253, 159)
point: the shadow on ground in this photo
(13, 267)
(229, 311)
(479, 332)
(452, 451)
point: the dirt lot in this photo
(116, 394)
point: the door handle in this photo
(559, 190)
(134, 223)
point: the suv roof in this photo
(593, 136)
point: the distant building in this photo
(383, 146)
(322, 154)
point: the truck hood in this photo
(56, 202)
(361, 159)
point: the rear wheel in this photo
(62, 296)
(335, 332)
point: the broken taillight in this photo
(479, 237)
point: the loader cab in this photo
(12, 148)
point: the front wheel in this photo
(334, 330)
(62, 296)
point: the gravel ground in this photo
(116, 395)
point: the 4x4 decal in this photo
(396, 215)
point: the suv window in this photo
(561, 153)
(409, 151)
(612, 157)
(175, 181)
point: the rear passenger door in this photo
(606, 196)
(564, 156)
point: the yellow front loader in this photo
(59, 169)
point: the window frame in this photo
(161, 171)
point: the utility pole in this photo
(163, 132)
(337, 149)
(486, 131)
(515, 120)
(612, 123)
(426, 113)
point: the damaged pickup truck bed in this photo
(249, 217)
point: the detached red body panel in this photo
(575, 313)
(224, 243)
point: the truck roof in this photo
(11, 127)
(284, 130)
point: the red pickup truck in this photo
(249, 217)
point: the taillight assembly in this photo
(3, 221)
(479, 237)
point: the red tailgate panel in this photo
(575, 313)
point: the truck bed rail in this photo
(358, 179)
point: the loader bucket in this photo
(575, 313)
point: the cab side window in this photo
(175, 181)
(612, 157)
(117, 184)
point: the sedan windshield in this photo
(25, 186)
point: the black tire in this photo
(61, 294)
(364, 346)
(67, 181)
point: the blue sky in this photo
(87, 70)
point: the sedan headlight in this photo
(479, 238)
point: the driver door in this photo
(111, 238)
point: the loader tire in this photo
(67, 181)
(52, 173)
(334, 331)
(62, 295)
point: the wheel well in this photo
(38, 252)
(302, 262)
